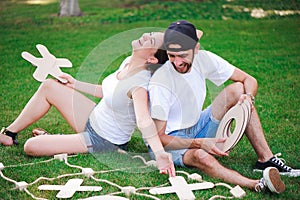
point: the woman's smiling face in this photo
(148, 41)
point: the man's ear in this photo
(197, 47)
(152, 60)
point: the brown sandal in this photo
(38, 131)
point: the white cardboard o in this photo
(241, 114)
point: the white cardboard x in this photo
(181, 188)
(46, 65)
(69, 189)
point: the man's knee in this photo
(226, 99)
(199, 158)
(236, 89)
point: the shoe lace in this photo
(260, 186)
(281, 162)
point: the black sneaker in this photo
(279, 163)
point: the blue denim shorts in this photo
(96, 144)
(206, 127)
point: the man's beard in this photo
(187, 65)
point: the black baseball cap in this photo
(182, 33)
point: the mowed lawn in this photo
(96, 43)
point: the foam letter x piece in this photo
(46, 65)
(69, 189)
(181, 188)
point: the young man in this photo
(177, 92)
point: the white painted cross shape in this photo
(46, 65)
(69, 189)
(181, 188)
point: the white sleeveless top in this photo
(114, 118)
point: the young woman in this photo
(106, 126)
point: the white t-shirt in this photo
(178, 98)
(114, 118)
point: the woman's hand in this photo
(70, 80)
(165, 163)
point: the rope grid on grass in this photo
(127, 190)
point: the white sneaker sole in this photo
(293, 173)
(272, 178)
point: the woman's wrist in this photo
(159, 152)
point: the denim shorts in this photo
(96, 144)
(206, 127)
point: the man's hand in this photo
(244, 97)
(209, 145)
(165, 163)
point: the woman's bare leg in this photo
(73, 106)
(49, 145)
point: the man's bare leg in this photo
(228, 98)
(255, 134)
(208, 164)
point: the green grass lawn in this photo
(266, 48)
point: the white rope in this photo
(76, 174)
(54, 178)
(41, 178)
(126, 190)
(140, 157)
(34, 197)
(121, 169)
(106, 181)
(224, 184)
(219, 197)
(148, 188)
(8, 179)
(72, 166)
(183, 172)
(147, 195)
(114, 193)
(68, 175)
(29, 164)
(35, 163)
